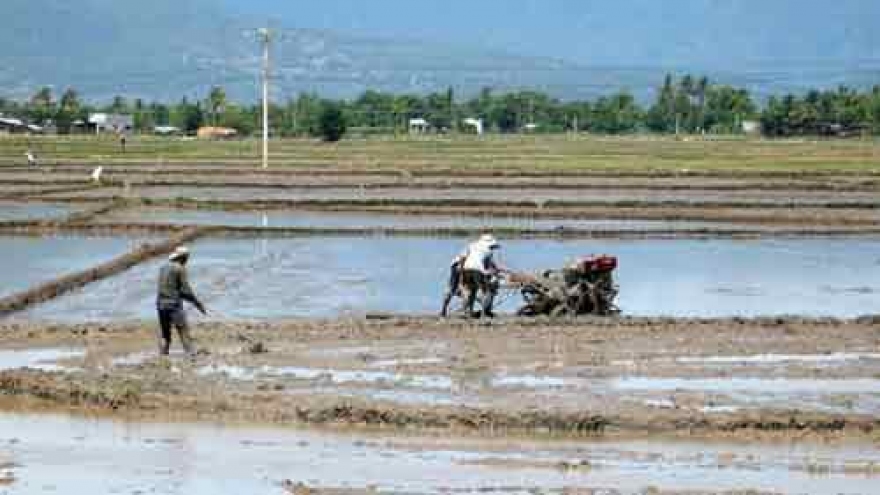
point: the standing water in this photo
(55, 454)
(312, 277)
(28, 261)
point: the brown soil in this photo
(466, 353)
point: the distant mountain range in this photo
(164, 49)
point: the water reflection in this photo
(268, 278)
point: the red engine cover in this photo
(602, 263)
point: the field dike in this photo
(261, 181)
(831, 222)
(188, 168)
(528, 210)
(362, 204)
(53, 189)
(83, 217)
(81, 226)
(158, 393)
(118, 375)
(68, 283)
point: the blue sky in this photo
(631, 32)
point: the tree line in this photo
(682, 105)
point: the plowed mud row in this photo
(810, 377)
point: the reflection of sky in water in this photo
(31, 211)
(28, 261)
(280, 219)
(209, 459)
(332, 276)
(536, 194)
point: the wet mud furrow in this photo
(798, 216)
(182, 167)
(42, 191)
(90, 214)
(487, 205)
(77, 226)
(138, 396)
(318, 182)
(563, 378)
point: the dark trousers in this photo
(452, 287)
(474, 281)
(174, 317)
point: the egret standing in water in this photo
(31, 159)
(96, 175)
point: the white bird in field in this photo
(31, 159)
(96, 175)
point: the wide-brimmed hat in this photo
(489, 240)
(180, 252)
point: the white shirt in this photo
(478, 258)
(460, 257)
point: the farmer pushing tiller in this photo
(583, 287)
(475, 272)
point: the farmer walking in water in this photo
(174, 289)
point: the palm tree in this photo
(43, 97)
(70, 101)
(216, 102)
(701, 89)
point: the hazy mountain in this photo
(571, 48)
(716, 34)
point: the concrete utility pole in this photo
(265, 36)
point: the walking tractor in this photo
(584, 287)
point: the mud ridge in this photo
(83, 217)
(80, 226)
(695, 213)
(50, 290)
(36, 193)
(210, 166)
(447, 184)
(836, 217)
(131, 395)
(362, 204)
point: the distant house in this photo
(9, 125)
(216, 133)
(110, 122)
(751, 127)
(419, 126)
(475, 124)
(530, 127)
(166, 130)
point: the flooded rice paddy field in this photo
(115, 457)
(638, 404)
(9, 190)
(10, 211)
(317, 219)
(248, 177)
(488, 193)
(30, 260)
(766, 404)
(337, 276)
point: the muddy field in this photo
(431, 406)
(208, 459)
(701, 378)
(379, 397)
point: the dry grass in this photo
(515, 153)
